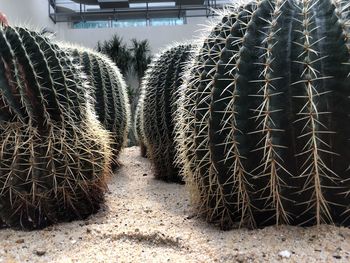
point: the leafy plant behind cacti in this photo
(117, 51)
(54, 156)
(133, 60)
(140, 57)
(265, 106)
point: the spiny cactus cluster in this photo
(54, 155)
(137, 125)
(109, 93)
(263, 119)
(156, 107)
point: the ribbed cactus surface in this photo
(54, 156)
(157, 105)
(109, 93)
(138, 125)
(263, 117)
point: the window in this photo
(91, 24)
(129, 23)
(166, 21)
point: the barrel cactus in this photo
(157, 106)
(54, 155)
(109, 93)
(262, 119)
(138, 126)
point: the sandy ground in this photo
(146, 220)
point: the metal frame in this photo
(128, 13)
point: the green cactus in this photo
(110, 93)
(156, 107)
(138, 126)
(54, 156)
(192, 133)
(262, 119)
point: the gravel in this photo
(146, 220)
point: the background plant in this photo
(133, 62)
(117, 51)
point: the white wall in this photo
(35, 13)
(26, 11)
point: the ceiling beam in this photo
(105, 4)
(189, 2)
(86, 2)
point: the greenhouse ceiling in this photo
(92, 10)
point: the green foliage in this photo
(155, 125)
(137, 57)
(117, 51)
(263, 119)
(133, 60)
(54, 156)
(140, 57)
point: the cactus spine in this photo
(110, 93)
(266, 110)
(55, 157)
(156, 107)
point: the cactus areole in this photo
(267, 106)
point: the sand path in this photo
(146, 220)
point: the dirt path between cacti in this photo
(146, 220)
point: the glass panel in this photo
(91, 24)
(166, 21)
(130, 23)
